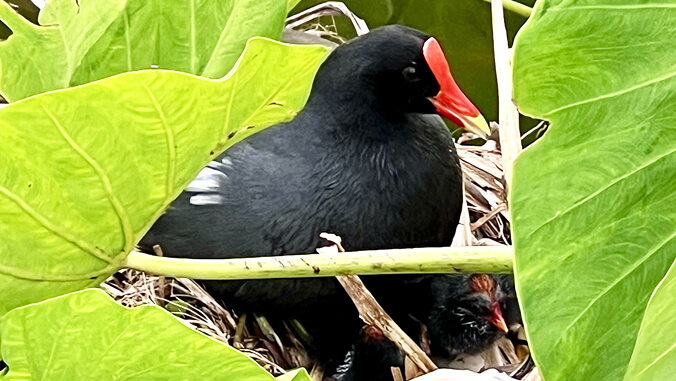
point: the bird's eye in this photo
(410, 74)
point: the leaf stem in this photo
(508, 116)
(469, 259)
(516, 7)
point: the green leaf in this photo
(26, 8)
(463, 27)
(23, 68)
(83, 41)
(295, 375)
(292, 3)
(84, 172)
(594, 212)
(87, 336)
(655, 359)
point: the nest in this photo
(485, 195)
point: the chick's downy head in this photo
(466, 315)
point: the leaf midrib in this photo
(612, 94)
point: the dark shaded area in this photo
(373, 357)
(25, 8)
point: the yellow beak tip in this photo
(479, 126)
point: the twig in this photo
(481, 221)
(317, 373)
(396, 374)
(537, 129)
(373, 314)
(331, 8)
(533, 376)
(463, 233)
(510, 137)
(475, 259)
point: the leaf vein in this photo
(635, 265)
(171, 145)
(660, 357)
(56, 340)
(224, 134)
(18, 273)
(613, 94)
(119, 209)
(57, 230)
(127, 38)
(193, 39)
(603, 189)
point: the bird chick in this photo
(466, 315)
(372, 358)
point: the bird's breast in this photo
(387, 197)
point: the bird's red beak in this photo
(497, 319)
(451, 102)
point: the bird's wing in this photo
(235, 205)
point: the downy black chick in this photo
(465, 316)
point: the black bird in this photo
(366, 159)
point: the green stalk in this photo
(516, 7)
(471, 259)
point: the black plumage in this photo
(461, 319)
(366, 159)
(372, 358)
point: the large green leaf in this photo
(463, 27)
(593, 202)
(84, 172)
(295, 375)
(653, 359)
(86, 40)
(87, 336)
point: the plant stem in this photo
(470, 259)
(508, 116)
(516, 7)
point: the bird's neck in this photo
(355, 113)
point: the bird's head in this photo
(486, 295)
(467, 313)
(398, 70)
(373, 357)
